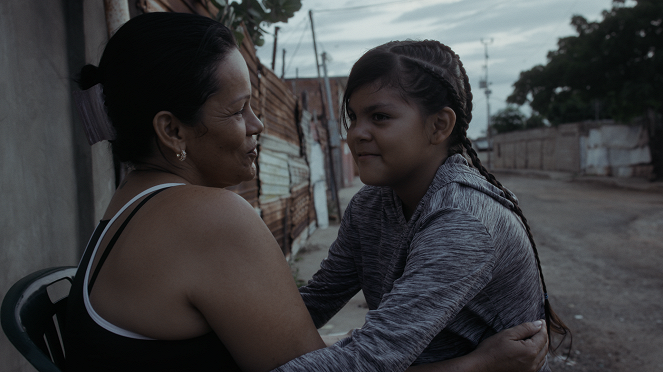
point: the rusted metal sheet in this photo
(276, 144)
(306, 142)
(299, 208)
(299, 171)
(312, 216)
(274, 175)
(278, 107)
(275, 215)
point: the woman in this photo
(182, 274)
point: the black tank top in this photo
(96, 345)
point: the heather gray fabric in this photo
(460, 270)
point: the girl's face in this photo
(390, 140)
(225, 152)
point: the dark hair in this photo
(429, 74)
(157, 62)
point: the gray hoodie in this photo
(460, 270)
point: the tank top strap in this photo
(87, 288)
(116, 236)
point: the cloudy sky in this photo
(522, 33)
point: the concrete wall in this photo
(555, 149)
(618, 150)
(594, 148)
(96, 37)
(46, 179)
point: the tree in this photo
(510, 119)
(610, 69)
(254, 14)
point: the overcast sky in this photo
(523, 31)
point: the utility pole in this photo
(333, 145)
(328, 88)
(283, 65)
(485, 85)
(276, 36)
(334, 135)
(315, 47)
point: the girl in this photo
(440, 248)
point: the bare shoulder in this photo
(211, 211)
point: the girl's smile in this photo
(391, 141)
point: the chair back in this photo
(34, 321)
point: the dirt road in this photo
(602, 254)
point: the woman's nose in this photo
(253, 124)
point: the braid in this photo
(461, 103)
(553, 322)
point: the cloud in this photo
(523, 31)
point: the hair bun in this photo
(88, 77)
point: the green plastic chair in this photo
(33, 322)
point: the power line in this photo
(554, 32)
(364, 6)
(296, 49)
(303, 22)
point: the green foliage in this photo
(508, 119)
(511, 119)
(535, 121)
(617, 63)
(255, 14)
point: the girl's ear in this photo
(170, 131)
(443, 124)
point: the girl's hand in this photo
(520, 348)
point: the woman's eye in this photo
(380, 117)
(240, 112)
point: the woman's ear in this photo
(443, 124)
(170, 131)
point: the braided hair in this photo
(432, 76)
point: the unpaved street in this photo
(602, 254)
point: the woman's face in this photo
(388, 139)
(224, 152)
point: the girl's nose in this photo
(359, 131)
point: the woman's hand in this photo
(522, 348)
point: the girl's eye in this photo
(380, 117)
(352, 116)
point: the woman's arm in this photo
(522, 348)
(239, 281)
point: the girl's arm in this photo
(522, 348)
(337, 280)
(434, 287)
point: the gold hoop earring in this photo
(181, 156)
